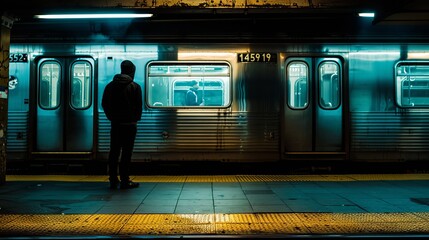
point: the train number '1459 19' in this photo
(257, 57)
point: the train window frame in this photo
(401, 77)
(291, 93)
(326, 104)
(176, 76)
(89, 84)
(59, 84)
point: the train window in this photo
(412, 84)
(188, 84)
(329, 85)
(49, 89)
(297, 78)
(80, 89)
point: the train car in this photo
(262, 102)
(263, 96)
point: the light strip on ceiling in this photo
(92, 16)
(366, 14)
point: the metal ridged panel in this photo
(389, 131)
(200, 132)
(103, 133)
(17, 129)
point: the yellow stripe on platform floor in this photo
(224, 178)
(218, 224)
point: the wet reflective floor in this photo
(259, 206)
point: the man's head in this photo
(128, 68)
(194, 84)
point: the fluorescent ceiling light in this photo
(366, 14)
(86, 16)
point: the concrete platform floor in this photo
(256, 206)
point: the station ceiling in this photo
(223, 20)
(387, 11)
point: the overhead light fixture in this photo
(366, 14)
(92, 16)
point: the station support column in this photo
(6, 25)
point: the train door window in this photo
(297, 79)
(49, 89)
(170, 83)
(329, 85)
(80, 89)
(412, 84)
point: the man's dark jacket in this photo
(191, 97)
(122, 100)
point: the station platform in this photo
(216, 206)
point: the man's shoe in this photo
(129, 184)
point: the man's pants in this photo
(122, 137)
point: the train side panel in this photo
(352, 102)
(380, 129)
(245, 129)
(18, 104)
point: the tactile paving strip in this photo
(226, 178)
(219, 224)
(372, 177)
(159, 179)
(341, 218)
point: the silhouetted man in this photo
(122, 102)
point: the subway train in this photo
(259, 101)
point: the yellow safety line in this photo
(219, 224)
(224, 178)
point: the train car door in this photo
(64, 107)
(313, 112)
